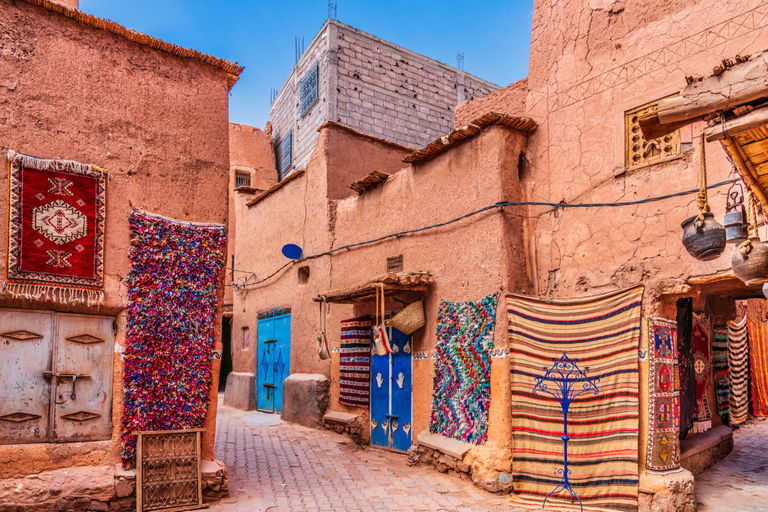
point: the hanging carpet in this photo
(685, 364)
(173, 288)
(720, 366)
(355, 362)
(738, 362)
(56, 224)
(664, 397)
(758, 356)
(601, 335)
(701, 361)
(462, 391)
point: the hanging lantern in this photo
(765, 290)
(735, 220)
(703, 236)
(750, 262)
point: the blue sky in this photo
(493, 34)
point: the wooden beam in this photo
(742, 83)
(746, 170)
(741, 124)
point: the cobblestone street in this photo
(276, 467)
(739, 482)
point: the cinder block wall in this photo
(375, 87)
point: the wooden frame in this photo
(141, 474)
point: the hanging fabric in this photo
(720, 367)
(685, 364)
(702, 335)
(758, 355)
(738, 363)
(355, 362)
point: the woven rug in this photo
(664, 397)
(720, 366)
(173, 287)
(355, 362)
(462, 391)
(685, 364)
(601, 335)
(701, 361)
(758, 356)
(738, 362)
(56, 223)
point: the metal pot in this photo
(703, 239)
(750, 262)
(735, 227)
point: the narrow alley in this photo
(278, 467)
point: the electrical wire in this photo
(501, 204)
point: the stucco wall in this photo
(509, 100)
(157, 123)
(589, 65)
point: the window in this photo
(640, 152)
(242, 179)
(308, 87)
(284, 152)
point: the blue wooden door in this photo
(391, 383)
(273, 361)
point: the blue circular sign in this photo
(292, 251)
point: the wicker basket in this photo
(410, 319)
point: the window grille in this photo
(308, 89)
(285, 154)
(242, 179)
(640, 152)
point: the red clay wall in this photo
(509, 100)
(157, 122)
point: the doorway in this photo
(226, 354)
(391, 385)
(274, 358)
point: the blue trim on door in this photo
(273, 361)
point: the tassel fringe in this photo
(69, 296)
(42, 164)
(701, 426)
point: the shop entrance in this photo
(274, 357)
(391, 384)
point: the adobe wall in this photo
(70, 91)
(509, 100)
(588, 67)
(250, 151)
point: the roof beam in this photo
(741, 124)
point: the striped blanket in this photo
(738, 361)
(601, 334)
(355, 362)
(720, 365)
(758, 356)
(663, 452)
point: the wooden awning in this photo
(393, 282)
(734, 101)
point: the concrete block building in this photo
(368, 84)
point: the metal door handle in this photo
(48, 375)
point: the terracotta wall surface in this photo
(469, 259)
(156, 122)
(509, 100)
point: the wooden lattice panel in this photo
(168, 470)
(640, 152)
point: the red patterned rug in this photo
(56, 217)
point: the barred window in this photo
(308, 89)
(639, 152)
(284, 152)
(242, 179)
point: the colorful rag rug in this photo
(462, 391)
(355, 362)
(663, 452)
(758, 356)
(56, 220)
(601, 335)
(685, 364)
(173, 288)
(738, 361)
(701, 360)
(720, 366)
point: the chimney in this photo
(72, 4)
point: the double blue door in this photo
(391, 382)
(273, 361)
